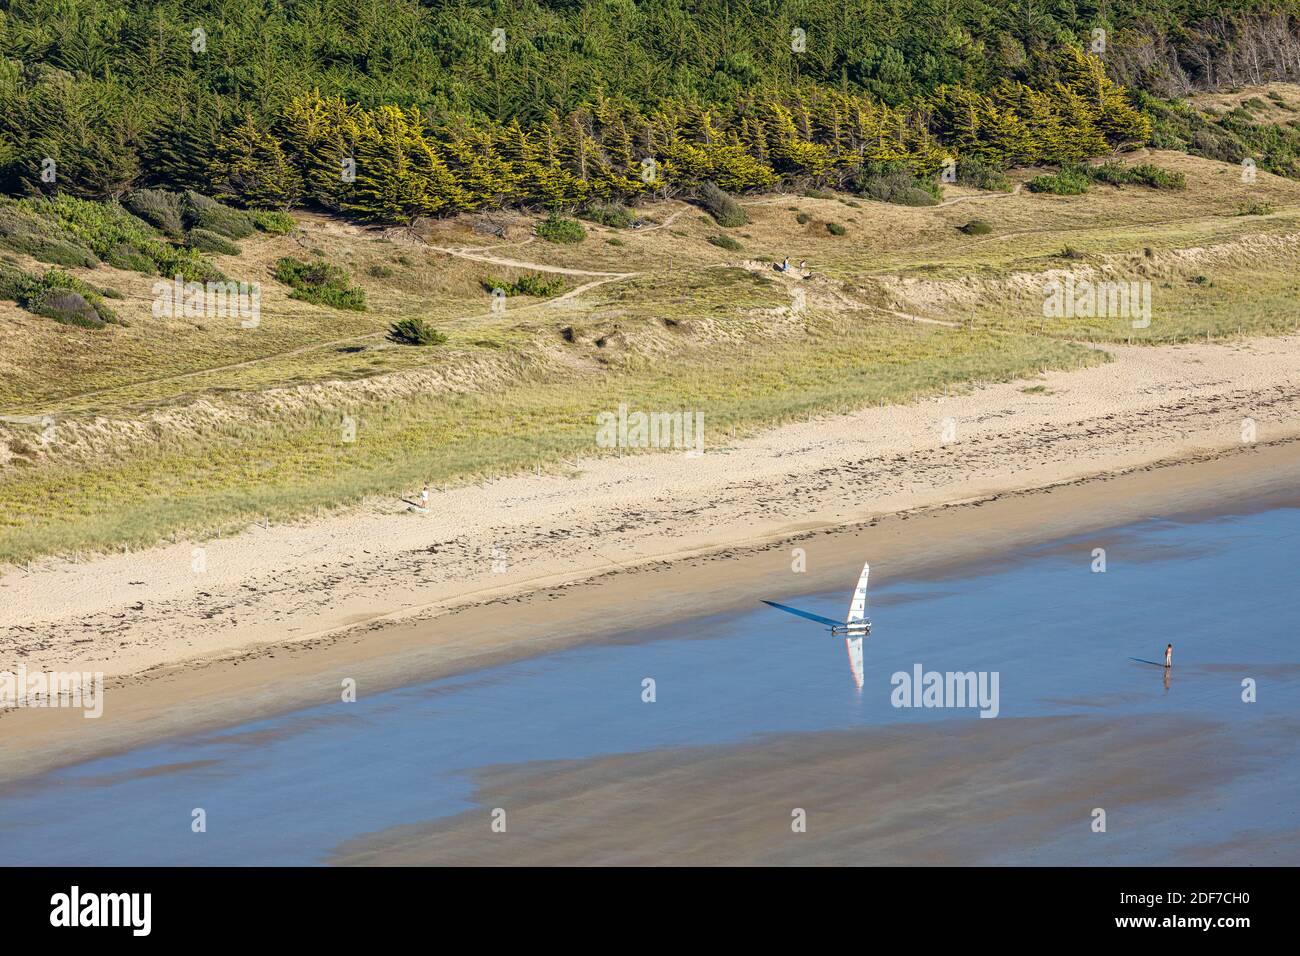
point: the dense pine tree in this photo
(552, 102)
(249, 166)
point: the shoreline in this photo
(1024, 470)
(928, 543)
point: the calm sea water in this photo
(290, 789)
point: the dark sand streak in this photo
(960, 792)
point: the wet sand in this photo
(971, 793)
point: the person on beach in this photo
(1169, 655)
(424, 497)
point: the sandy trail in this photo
(124, 614)
(953, 202)
(465, 253)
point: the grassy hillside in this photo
(201, 425)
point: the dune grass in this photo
(1189, 301)
(292, 463)
(202, 427)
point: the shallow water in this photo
(1061, 637)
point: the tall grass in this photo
(293, 462)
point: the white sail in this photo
(858, 607)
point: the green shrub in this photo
(976, 227)
(1254, 207)
(534, 284)
(1067, 182)
(205, 240)
(1113, 172)
(415, 331)
(723, 207)
(121, 239)
(200, 212)
(726, 242)
(158, 207)
(321, 283)
(65, 306)
(979, 173)
(380, 271)
(275, 223)
(59, 296)
(835, 229)
(58, 253)
(538, 285)
(1145, 174)
(13, 283)
(608, 214)
(64, 254)
(556, 228)
(895, 185)
(189, 264)
(106, 229)
(1149, 174)
(818, 194)
(803, 219)
(1214, 144)
(22, 230)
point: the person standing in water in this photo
(1169, 655)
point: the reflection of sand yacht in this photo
(854, 628)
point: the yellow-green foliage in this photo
(389, 164)
(250, 166)
(1081, 114)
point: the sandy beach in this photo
(272, 618)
